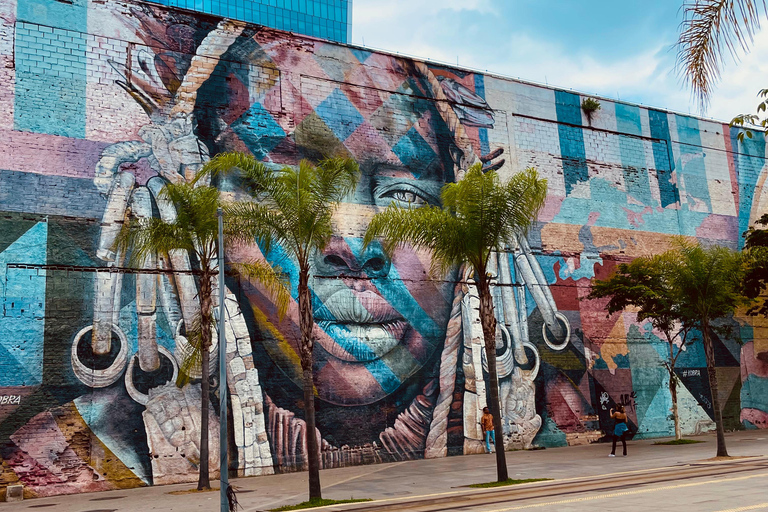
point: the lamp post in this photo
(223, 443)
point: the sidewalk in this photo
(410, 478)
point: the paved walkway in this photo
(411, 478)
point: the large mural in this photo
(131, 96)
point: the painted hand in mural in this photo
(518, 359)
(171, 420)
(520, 421)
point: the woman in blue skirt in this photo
(620, 430)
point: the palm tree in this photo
(710, 29)
(195, 230)
(707, 282)
(479, 215)
(292, 207)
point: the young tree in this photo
(708, 283)
(646, 284)
(195, 230)
(292, 207)
(756, 266)
(479, 215)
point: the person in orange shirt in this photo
(488, 432)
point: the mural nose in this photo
(376, 263)
(346, 257)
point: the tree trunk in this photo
(306, 323)
(488, 321)
(673, 392)
(675, 413)
(710, 352)
(206, 306)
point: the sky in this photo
(614, 49)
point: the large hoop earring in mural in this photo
(563, 320)
(168, 368)
(505, 362)
(184, 349)
(104, 370)
(533, 372)
(505, 354)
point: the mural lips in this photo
(362, 325)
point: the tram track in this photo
(613, 484)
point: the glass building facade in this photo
(327, 19)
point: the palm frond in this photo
(520, 200)
(193, 357)
(293, 205)
(711, 29)
(710, 278)
(336, 178)
(479, 214)
(251, 171)
(271, 279)
(429, 227)
(142, 239)
(246, 222)
(194, 226)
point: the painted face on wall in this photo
(379, 317)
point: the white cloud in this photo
(737, 92)
(420, 28)
(378, 11)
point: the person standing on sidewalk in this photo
(490, 435)
(620, 429)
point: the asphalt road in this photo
(727, 492)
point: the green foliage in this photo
(645, 283)
(479, 214)
(750, 123)
(508, 481)
(676, 442)
(315, 502)
(686, 287)
(590, 106)
(271, 278)
(708, 281)
(194, 228)
(292, 206)
(756, 265)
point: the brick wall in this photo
(101, 102)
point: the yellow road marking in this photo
(629, 493)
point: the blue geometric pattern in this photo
(22, 322)
(414, 152)
(633, 154)
(339, 114)
(258, 130)
(362, 55)
(50, 95)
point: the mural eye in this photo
(403, 194)
(408, 197)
